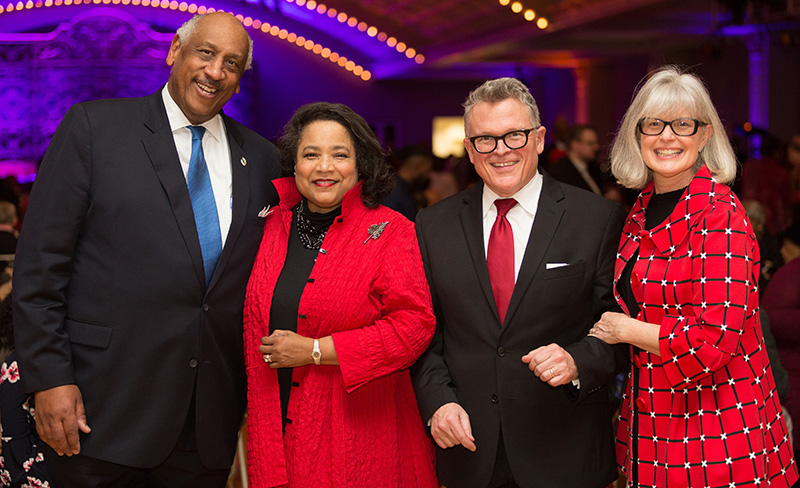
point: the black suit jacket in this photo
(564, 171)
(109, 290)
(554, 437)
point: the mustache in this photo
(208, 81)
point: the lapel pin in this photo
(375, 230)
(243, 161)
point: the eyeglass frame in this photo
(697, 125)
(527, 133)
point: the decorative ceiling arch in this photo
(332, 35)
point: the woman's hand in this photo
(614, 328)
(610, 327)
(286, 349)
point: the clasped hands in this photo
(286, 349)
(450, 425)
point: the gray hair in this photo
(670, 89)
(499, 89)
(187, 29)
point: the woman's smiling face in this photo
(671, 157)
(325, 165)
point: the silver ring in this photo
(552, 374)
(267, 358)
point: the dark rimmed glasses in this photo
(516, 139)
(683, 127)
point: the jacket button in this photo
(637, 362)
(641, 403)
(495, 398)
(206, 307)
(193, 363)
(501, 351)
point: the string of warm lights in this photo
(353, 22)
(528, 14)
(249, 22)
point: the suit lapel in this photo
(471, 216)
(240, 193)
(548, 217)
(160, 147)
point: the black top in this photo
(289, 287)
(658, 209)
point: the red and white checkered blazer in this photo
(708, 413)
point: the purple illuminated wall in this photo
(101, 53)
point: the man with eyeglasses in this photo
(579, 166)
(519, 267)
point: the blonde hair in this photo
(666, 90)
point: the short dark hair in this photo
(576, 131)
(373, 171)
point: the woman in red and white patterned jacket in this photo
(700, 407)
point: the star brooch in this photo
(375, 230)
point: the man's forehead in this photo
(219, 33)
(500, 117)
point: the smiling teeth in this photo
(503, 165)
(668, 152)
(206, 89)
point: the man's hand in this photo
(59, 417)
(450, 427)
(552, 364)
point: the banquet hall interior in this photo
(405, 65)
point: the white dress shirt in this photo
(583, 169)
(216, 151)
(520, 217)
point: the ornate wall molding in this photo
(99, 53)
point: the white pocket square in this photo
(555, 265)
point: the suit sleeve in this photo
(699, 343)
(429, 375)
(403, 331)
(598, 362)
(58, 206)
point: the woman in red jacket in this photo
(337, 309)
(700, 408)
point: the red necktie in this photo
(500, 256)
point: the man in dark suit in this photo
(129, 283)
(520, 268)
(579, 166)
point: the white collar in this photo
(178, 121)
(527, 197)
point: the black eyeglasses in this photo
(683, 127)
(516, 139)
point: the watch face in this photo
(316, 355)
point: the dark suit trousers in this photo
(181, 469)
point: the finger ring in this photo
(267, 358)
(552, 374)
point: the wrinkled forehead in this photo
(223, 32)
